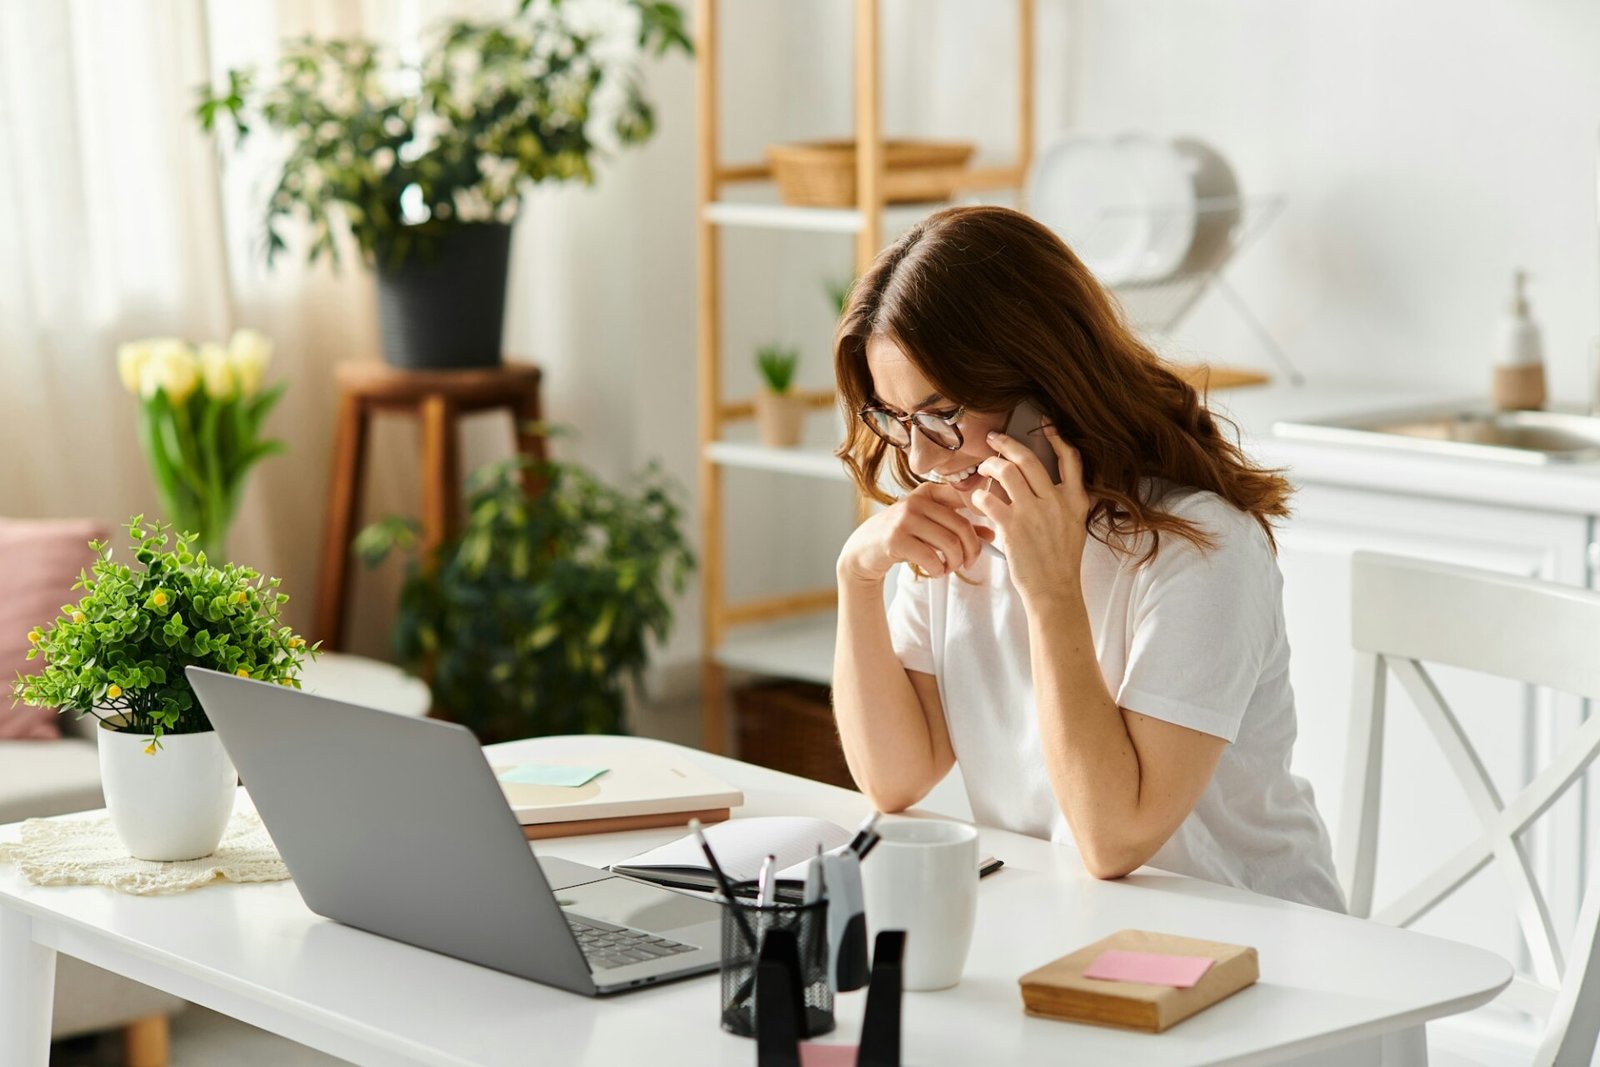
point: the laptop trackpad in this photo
(643, 907)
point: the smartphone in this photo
(1027, 425)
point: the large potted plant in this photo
(424, 162)
(119, 654)
(539, 615)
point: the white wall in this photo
(1424, 149)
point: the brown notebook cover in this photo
(1060, 991)
(535, 831)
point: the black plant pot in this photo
(444, 307)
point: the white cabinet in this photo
(1425, 814)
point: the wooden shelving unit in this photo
(791, 636)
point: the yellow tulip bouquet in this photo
(200, 415)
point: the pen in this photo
(813, 890)
(864, 832)
(870, 844)
(766, 885)
(722, 882)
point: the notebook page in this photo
(741, 844)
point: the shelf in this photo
(784, 217)
(813, 219)
(799, 648)
(808, 462)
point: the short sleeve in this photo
(1204, 624)
(909, 630)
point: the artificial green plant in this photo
(119, 652)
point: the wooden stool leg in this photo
(530, 445)
(441, 474)
(344, 502)
(147, 1042)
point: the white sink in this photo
(1461, 430)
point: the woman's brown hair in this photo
(993, 309)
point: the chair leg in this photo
(147, 1042)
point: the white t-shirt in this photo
(1195, 637)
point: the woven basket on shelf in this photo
(788, 726)
(823, 173)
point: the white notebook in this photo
(740, 846)
(633, 783)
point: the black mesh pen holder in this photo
(744, 927)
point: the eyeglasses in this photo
(896, 429)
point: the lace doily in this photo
(73, 851)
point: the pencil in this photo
(724, 884)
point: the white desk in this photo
(256, 953)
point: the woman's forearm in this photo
(887, 741)
(1092, 762)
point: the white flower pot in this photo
(170, 805)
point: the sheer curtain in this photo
(119, 220)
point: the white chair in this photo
(1409, 612)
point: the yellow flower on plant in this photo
(78, 616)
(297, 642)
(171, 369)
(131, 358)
(113, 691)
(159, 598)
(34, 635)
(150, 749)
(241, 672)
(240, 597)
(249, 351)
(216, 372)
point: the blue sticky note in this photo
(550, 774)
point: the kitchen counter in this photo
(1572, 488)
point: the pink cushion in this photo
(39, 561)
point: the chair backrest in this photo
(1405, 613)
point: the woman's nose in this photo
(925, 456)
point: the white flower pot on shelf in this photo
(172, 804)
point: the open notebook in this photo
(740, 846)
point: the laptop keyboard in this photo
(617, 946)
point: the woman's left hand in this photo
(1042, 527)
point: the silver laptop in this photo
(398, 826)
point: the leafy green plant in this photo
(398, 152)
(533, 620)
(122, 648)
(777, 364)
(200, 416)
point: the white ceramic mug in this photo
(922, 877)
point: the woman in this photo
(1105, 657)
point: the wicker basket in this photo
(823, 173)
(788, 726)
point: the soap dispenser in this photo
(1519, 363)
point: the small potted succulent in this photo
(780, 414)
(119, 654)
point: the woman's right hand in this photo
(924, 529)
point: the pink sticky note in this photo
(1150, 968)
(815, 1054)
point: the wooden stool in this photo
(438, 398)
